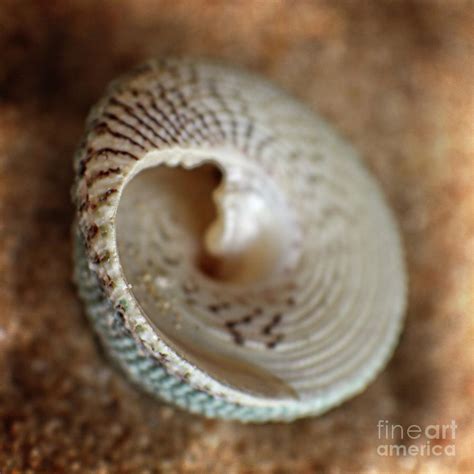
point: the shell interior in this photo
(218, 264)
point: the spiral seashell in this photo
(232, 252)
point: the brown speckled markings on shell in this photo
(240, 239)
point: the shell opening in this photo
(187, 234)
(217, 264)
(246, 241)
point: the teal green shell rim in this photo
(144, 370)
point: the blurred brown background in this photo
(395, 77)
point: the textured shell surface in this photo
(233, 253)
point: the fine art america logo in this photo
(416, 440)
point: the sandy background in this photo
(395, 77)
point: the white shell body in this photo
(236, 248)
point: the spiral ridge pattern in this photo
(306, 308)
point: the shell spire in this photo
(233, 253)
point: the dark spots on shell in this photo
(216, 307)
(234, 332)
(92, 231)
(99, 128)
(232, 328)
(103, 128)
(217, 123)
(135, 130)
(102, 174)
(82, 168)
(290, 301)
(176, 108)
(165, 117)
(107, 282)
(238, 338)
(84, 204)
(143, 109)
(104, 196)
(102, 258)
(120, 312)
(182, 101)
(108, 150)
(133, 113)
(163, 95)
(268, 328)
(118, 322)
(273, 343)
(244, 320)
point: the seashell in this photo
(232, 252)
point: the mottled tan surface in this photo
(395, 77)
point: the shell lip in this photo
(121, 296)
